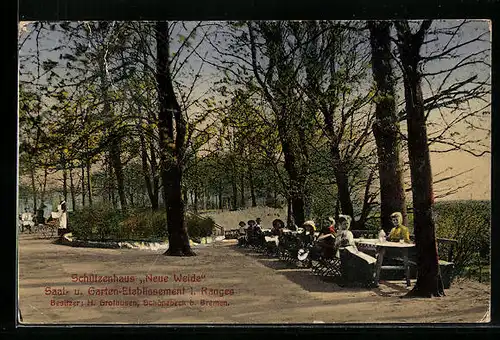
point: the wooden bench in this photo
(446, 266)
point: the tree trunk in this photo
(156, 178)
(342, 181)
(145, 173)
(118, 171)
(44, 186)
(234, 186)
(195, 205)
(429, 282)
(33, 186)
(242, 191)
(89, 183)
(72, 189)
(83, 185)
(386, 128)
(115, 139)
(171, 149)
(131, 195)
(252, 187)
(221, 204)
(367, 207)
(65, 183)
(289, 210)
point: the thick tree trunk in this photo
(386, 128)
(296, 181)
(342, 181)
(171, 148)
(429, 282)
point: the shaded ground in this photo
(265, 290)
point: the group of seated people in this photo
(330, 238)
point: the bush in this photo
(104, 223)
(97, 223)
(145, 225)
(199, 227)
(468, 222)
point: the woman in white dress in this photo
(344, 238)
(63, 218)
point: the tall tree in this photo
(172, 146)
(386, 127)
(429, 282)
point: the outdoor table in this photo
(271, 239)
(381, 247)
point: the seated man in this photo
(399, 231)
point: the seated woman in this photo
(242, 232)
(326, 242)
(251, 232)
(278, 226)
(309, 229)
(242, 227)
(399, 231)
(331, 227)
(344, 238)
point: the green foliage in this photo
(97, 223)
(104, 223)
(468, 222)
(145, 224)
(199, 227)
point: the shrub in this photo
(144, 225)
(104, 223)
(468, 222)
(198, 226)
(96, 223)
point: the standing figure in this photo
(63, 218)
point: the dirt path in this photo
(263, 290)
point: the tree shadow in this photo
(303, 277)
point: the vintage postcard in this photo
(254, 172)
